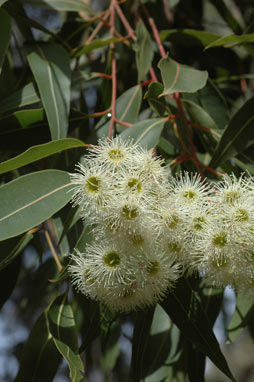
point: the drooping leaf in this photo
(158, 105)
(51, 69)
(146, 133)
(40, 357)
(95, 44)
(10, 248)
(232, 39)
(237, 136)
(179, 305)
(38, 152)
(227, 15)
(5, 34)
(127, 109)
(2, 2)
(61, 5)
(144, 50)
(62, 327)
(31, 199)
(22, 119)
(239, 320)
(190, 36)
(8, 279)
(142, 326)
(180, 78)
(199, 115)
(22, 97)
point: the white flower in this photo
(231, 190)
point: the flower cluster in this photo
(148, 229)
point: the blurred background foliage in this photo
(175, 75)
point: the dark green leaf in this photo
(232, 40)
(75, 364)
(21, 119)
(2, 2)
(142, 326)
(179, 305)
(51, 68)
(244, 307)
(180, 78)
(158, 105)
(22, 97)
(190, 36)
(237, 136)
(95, 44)
(61, 5)
(144, 50)
(8, 279)
(146, 133)
(31, 199)
(227, 15)
(40, 358)
(5, 34)
(38, 152)
(10, 248)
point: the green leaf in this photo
(38, 152)
(31, 199)
(239, 320)
(199, 115)
(142, 326)
(62, 327)
(2, 2)
(10, 248)
(5, 34)
(76, 367)
(237, 136)
(188, 36)
(146, 133)
(227, 15)
(61, 5)
(180, 78)
(8, 279)
(179, 304)
(159, 106)
(51, 68)
(22, 97)
(40, 358)
(144, 50)
(232, 39)
(21, 119)
(127, 109)
(95, 44)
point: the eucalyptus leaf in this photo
(31, 199)
(5, 34)
(51, 68)
(231, 40)
(61, 5)
(144, 50)
(20, 98)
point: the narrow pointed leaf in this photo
(127, 109)
(62, 327)
(5, 34)
(51, 68)
(38, 152)
(231, 40)
(178, 305)
(140, 336)
(239, 320)
(190, 36)
(180, 78)
(144, 50)
(10, 248)
(61, 5)
(22, 97)
(31, 199)
(227, 15)
(237, 136)
(146, 133)
(40, 357)
(2, 2)
(95, 44)
(8, 279)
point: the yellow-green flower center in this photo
(112, 259)
(189, 194)
(174, 246)
(172, 221)
(116, 155)
(242, 215)
(134, 184)
(93, 184)
(220, 239)
(153, 267)
(232, 196)
(129, 212)
(198, 223)
(87, 276)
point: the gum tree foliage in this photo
(176, 76)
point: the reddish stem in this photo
(113, 72)
(97, 28)
(126, 124)
(125, 22)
